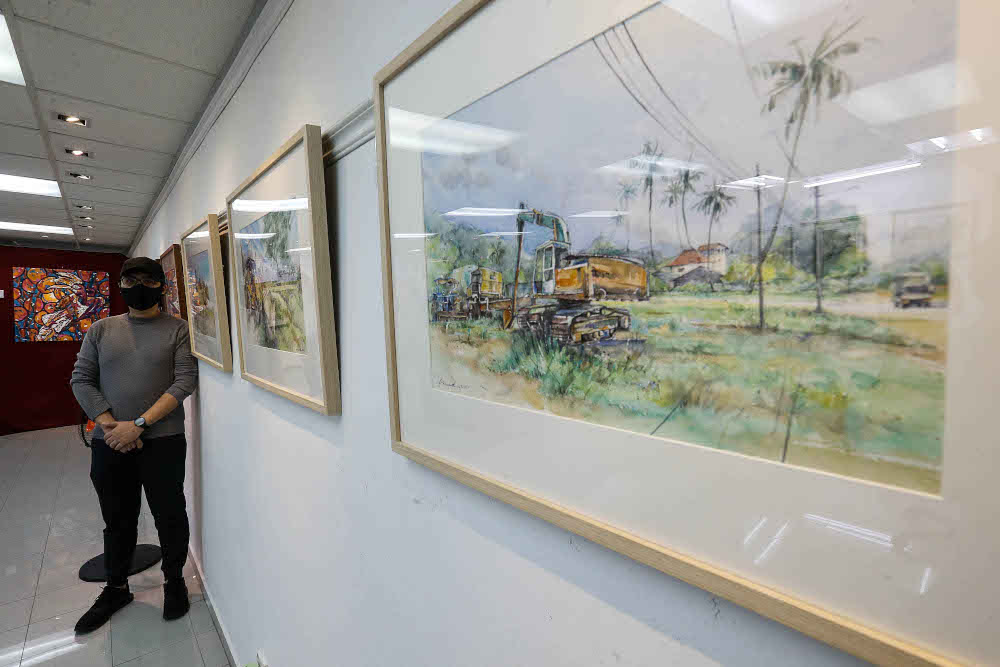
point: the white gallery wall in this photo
(322, 547)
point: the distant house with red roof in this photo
(713, 257)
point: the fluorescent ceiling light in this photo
(10, 68)
(84, 207)
(417, 132)
(982, 136)
(937, 88)
(25, 227)
(418, 235)
(486, 212)
(255, 236)
(82, 177)
(29, 186)
(640, 166)
(600, 214)
(754, 182)
(268, 205)
(851, 174)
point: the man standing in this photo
(131, 376)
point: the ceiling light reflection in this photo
(600, 214)
(485, 212)
(862, 172)
(269, 205)
(640, 165)
(254, 236)
(771, 545)
(417, 132)
(981, 136)
(754, 531)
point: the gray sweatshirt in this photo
(126, 363)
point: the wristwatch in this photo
(140, 422)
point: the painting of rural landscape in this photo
(200, 293)
(709, 226)
(272, 282)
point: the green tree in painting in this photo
(714, 202)
(677, 192)
(671, 198)
(626, 193)
(498, 250)
(807, 79)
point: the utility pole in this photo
(817, 242)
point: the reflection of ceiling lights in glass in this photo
(485, 212)
(197, 235)
(505, 234)
(755, 18)
(416, 235)
(29, 186)
(862, 172)
(600, 214)
(25, 227)
(10, 68)
(763, 182)
(269, 205)
(981, 136)
(255, 236)
(417, 132)
(937, 88)
(640, 165)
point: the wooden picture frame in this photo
(811, 619)
(324, 354)
(174, 254)
(224, 361)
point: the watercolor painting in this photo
(200, 292)
(272, 282)
(57, 304)
(171, 289)
(711, 228)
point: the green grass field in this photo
(850, 394)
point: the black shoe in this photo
(175, 600)
(108, 602)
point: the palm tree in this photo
(648, 161)
(684, 184)
(672, 191)
(714, 202)
(626, 193)
(809, 78)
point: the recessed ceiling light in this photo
(87, 226)
(73, 120)
(25, 227)
(87, 239)
(78, 152)
(84, 207)
(76, 174)
(45, 236)
(84, 217)
(30, 186)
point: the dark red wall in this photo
(34, 391)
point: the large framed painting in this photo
(174, 294)
(710, 283)
(205, 284)
(57, 304)
(280, 259)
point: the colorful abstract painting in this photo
(57, 304)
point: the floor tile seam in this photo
(161, 648)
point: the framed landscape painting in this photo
(280, 259)
(57, 304)
(709, 283)
(205, 284)
(174, 294)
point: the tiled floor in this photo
(50, 524)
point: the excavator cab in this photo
(548, 257)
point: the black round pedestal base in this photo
(146, 556)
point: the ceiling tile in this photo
(65, 63)
(112, 156)
(15, 106)
(22, 141)
(107, 196)
(43, 216)
(209, 29)
(19, 165)
(102, 208)
(107, 178)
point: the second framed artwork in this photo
(281, 276)
(175, 298)
(205, 282)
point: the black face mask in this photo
(141, 297)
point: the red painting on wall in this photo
(57, 304)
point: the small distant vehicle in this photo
(469, 292)
(913, 288)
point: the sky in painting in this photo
(576, 114)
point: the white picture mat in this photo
(297, 372)
(195, 243)
(705, 502)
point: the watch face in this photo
(141, 421)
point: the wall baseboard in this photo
(227, 643)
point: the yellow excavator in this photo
(566, 287)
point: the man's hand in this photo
(123, 436)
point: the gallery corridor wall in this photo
(36, 391)
(321, 546)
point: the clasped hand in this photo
(122, 436)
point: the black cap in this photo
(145, 265)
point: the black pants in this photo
(119, 479)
